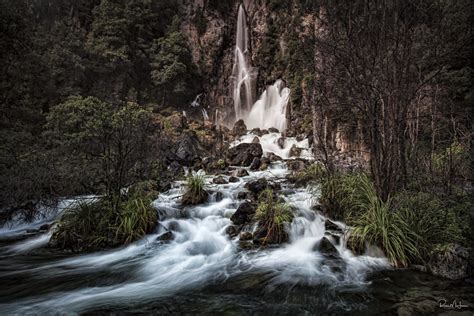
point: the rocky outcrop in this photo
(243, 154)
(450, 262)
(239, 128)
(188, 150)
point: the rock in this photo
(265, 160)
(261, 184)
(273, 157)
(326, 248)
(255, 164)
(45, 227)
(273, 130)
(232, 231)
(242, 195)
(263, 167)
(243, 214)
(218, 196)
(163, 185)
(243, 154)
(256, 131)
(219, 180)
(177, 121)
(165, 237)
(330, 225)
(295, 165)
(233, 179)
(246, 236)
(295, 151)
(175, 168)
(264, 131)
(190, 198)
(255, 140)
(450, 262)
(187, 150)
(300, 137)
(247, 245)
(354, 245)
(239, 128)
(281, 142)
(240, 173)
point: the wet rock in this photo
(247, 245)
(232, 230)
(296, 165)
(451, 262)
(242, 195)
(243, 154)
(255, 164)
(219, 180)
(295, 151)
(265, 160)
(261, 184)
(264, 131)
(334, 235)
(330, 225)
(165, 237)
(239, 128)
(219, 196)
(240, 173)
(273, 130)
(45, 227)
(175, 168)
(246, 236)
(233, 179)
(263, 166)
(187, 151)
(257, 131)
(273, 157)
(163, 185)
(300, 137)
(355, 246)
(243, 214)
(281, 142)
(325, 247)
(255, 140)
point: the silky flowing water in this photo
(201, 269)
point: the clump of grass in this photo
(195, 190)
(271, 214)
(104, 223)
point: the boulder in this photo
(255, 164)
(239, 128)
(281, 142)
(451, 262)
(273, 130)
(256, 131)
(273, 157)
(325, 247)
(187, 150)
(295, 151)
(242, 195)
(165, 237)
(243, 214)
(263, 166)
(243, 154)
(231, 230)
(246, 236)
(300, 137)
(233, 179)
(219, 180)
(255, 140)
(296, 165)
(261, 184)
(218, 196)
(240, 173)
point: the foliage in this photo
(195, 189)
(96, 224)
(272, 214)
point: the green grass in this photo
(195, 190)
(271, 214)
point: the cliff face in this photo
(282, 46)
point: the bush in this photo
(271, 214)
(98, 224)
(195, 190)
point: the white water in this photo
(200, 253)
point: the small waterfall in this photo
(241, 72)
(270, 109)
(205, 116)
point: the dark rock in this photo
(256, 131)
(219, 196)
(178, 121)
(246, 236)
(219, 180)
(240, 173)
(326, 248)
(190, 198)
(165, 236)
(336, 236)
(295, 151)
(300, 137)
(261, 184)
(255, 164)
(243, 214)
(242, 195)
(296, 165)
(255, 140)
(450, 263)
(265, 160)
(233, 179)
(187, 151)
(330, 225)
(247, 245)
(45, 227)
(264, 131)
(263, 166)
(281, 142)
(239, 128)
(163, 185)
(273, 157)
(232, 231)
(175, 168)
(273, 130)
(243, 154)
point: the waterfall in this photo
(270, 108)
(242, 92)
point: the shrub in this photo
(271, 214)
(97, 224)
(195, 190)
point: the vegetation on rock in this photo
(195, 190)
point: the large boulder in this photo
(243, 214)
(261, 184)
(326, 248)
(187, 149)
(243, 154)
(451, 262)
(295, 151)
(239, 128)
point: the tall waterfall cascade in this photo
(270, 109)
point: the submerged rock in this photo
(450, 262)
(243, 154)
(243, 214)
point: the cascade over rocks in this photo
(244, 153)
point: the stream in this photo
(203, 270)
